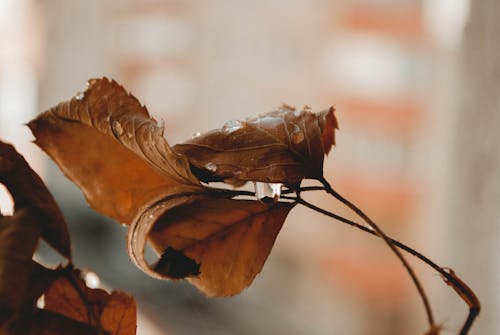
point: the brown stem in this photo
(381, 234)
(449, 276)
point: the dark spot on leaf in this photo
(175, 264)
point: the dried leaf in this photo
(36, 214)
(229, 239)
(28, 191)
(113, 312)
(43, 322)
(283, 146)
(106, 143)
(18, 239)
(23, 281)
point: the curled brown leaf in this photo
(229, 239)
(283, 146)
(106, 143)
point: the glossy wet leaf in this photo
(106, 143)
(229, 240)
(104, 140)
(283, 146)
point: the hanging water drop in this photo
(231, 125)
(259, 189)
(211, 167)
(267, 190)
(276, 191)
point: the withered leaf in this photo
(230, 239)
(113, 312)
(18, 239)
(43, 322)
(283, 146)
(36, 214)
(28, 191)
(107, 144)
(23, 281)
(105, 141)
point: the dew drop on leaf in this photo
(231, 125)
(270, 121)
(211, 167)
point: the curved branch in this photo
(449, 276)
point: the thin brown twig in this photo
(381, 234)
(466, 294)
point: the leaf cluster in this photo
(105, 141)
(35, 299)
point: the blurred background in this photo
(416, 86)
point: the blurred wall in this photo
(475, 224)
(393, 71)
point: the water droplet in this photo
(40, 303)
(92, 279)
(259, 189)
(297, 137)
(117, 127)
(276, 191)
(231, 125)
(269, 190)
(211, 167)
(270, 121)
(195, 135)
(79, 96)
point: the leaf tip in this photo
(328, 125)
